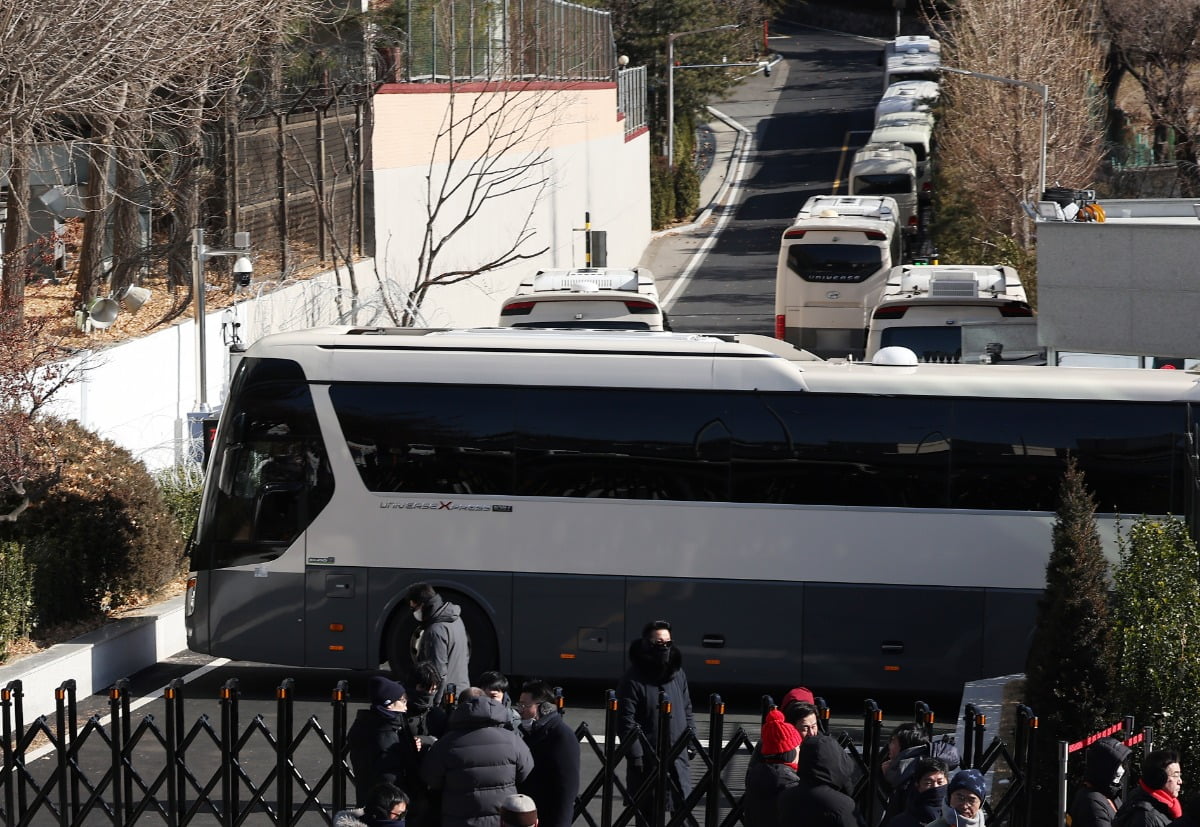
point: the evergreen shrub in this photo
(101, 536)
(16, 595)
(662, 194)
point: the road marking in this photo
(731, 198)
(42, 752)
(842, 155)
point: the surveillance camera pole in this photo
(671, 84)
(201, 253)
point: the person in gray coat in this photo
(443, 639)
(655, 665)
(477, 763)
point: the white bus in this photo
(908, 96)
(889, 169)
(837, 525)
(912, 64)
(914, 130)
(929, 308)
(833, 261)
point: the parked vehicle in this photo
(908, 96)
(833, 261)
(598, 298)
(888, 169)
(914, 130)
(956, 313)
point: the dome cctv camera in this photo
(242, 264)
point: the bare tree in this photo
(1158, 43)
(989, 133)
(490, 147)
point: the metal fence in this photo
(167, 770)
(497, 40)
(631, 98)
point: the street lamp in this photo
(671, 84)
(242, 268)
(1042, 89)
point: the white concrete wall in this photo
(587, 167)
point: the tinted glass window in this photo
(272, 472)
(638, 444)
(847, 450)
(931, 344)
(1011, 454)
(847, 263)
(884, 185)
(435, 439)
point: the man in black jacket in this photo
(554, 782)
(381, 749)
(1154, 801)
(477, 763)
(656, 665)
(820, 799)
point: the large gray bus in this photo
(833, 524)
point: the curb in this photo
(99, 659)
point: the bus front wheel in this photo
(403, 640)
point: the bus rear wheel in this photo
(403, 639)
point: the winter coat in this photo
(1141, 810)
(554, 783)
(820, 799)
(1095, 803)
(637, 694)
(425, 719)
(764, 784)
(444, 644)
(921, 807)
(382, 750)
(476, 764)
(358, 818)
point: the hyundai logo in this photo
(833, 295)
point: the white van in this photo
(956, 313)
(914, 130)
(888, 169)
(911, 65)
(596, 298)
(908, 96)
(833, 261)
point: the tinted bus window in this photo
(884, 185)
(847, 263)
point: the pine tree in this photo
(1157, 627)
(1069, 672)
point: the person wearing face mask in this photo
(924, 799)
(386, 806)
(655, 665)
(554, 781)
(1096, 801)
(443, 637)
(425, 719)
(1154, 800)
(381, 749)
(965, 795)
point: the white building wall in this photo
(587, 168)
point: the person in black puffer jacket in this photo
(820, 799)
(381, 750)
(1096, 801)
(655, 665)
(477, 763)
(926, 795)
(772, 770)
(1154, 802)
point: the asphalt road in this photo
(806, 120)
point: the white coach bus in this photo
(833, 524)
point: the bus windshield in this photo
(849, 263)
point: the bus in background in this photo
(908, 96)
(833, 261)
(599, 298)
(926, 307)
(912, 64)
(563, 487)
(911, 44)
(914, 130)
(888, 169)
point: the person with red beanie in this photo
(1154, 801)
(772, 770)
(800, 710)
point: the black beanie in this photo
(383, 690)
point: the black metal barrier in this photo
(150, 771)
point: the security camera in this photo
(242, 264)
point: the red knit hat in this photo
(778, 736)
(800, 693)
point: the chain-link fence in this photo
(486, 40)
